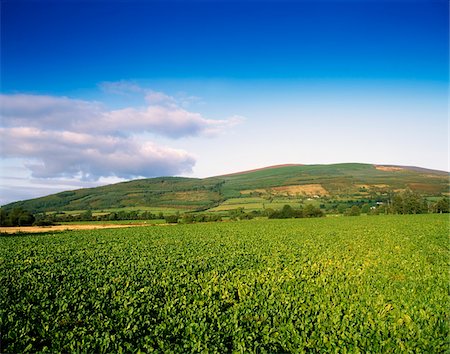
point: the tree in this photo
(235, 214)
(441, 206)
(341, 208)
(409, 202)
(4, 218)
(86, 216)
(353, 211)
(171, 219)
(365, 209)
(287, 212)
(16, 217)
(26, 219)
(310, 211)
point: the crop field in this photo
(337, 284)
(255, 203)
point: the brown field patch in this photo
(305, 189)
(388, 168)
(308, 189)
(37, 229)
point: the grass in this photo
(367, 284)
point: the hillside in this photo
(272, 184)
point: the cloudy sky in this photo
(94, 92)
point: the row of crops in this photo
(368, 284)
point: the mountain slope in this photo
(350, 180)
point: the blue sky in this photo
(99, 91)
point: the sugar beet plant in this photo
(368, 284)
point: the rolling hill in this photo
(275, 183)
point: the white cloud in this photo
(64, 137)
(69, 154)
(170, 121)
(159, 98)
(48, 112)
(162, 116)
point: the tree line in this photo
(16, 217)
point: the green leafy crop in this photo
(357, 285)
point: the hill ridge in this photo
(281, 182)
(259, 169)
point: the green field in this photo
(254, 203)
(366, 284)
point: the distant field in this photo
(364, 284)
(255, 203)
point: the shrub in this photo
(171, 219)
(353, 211)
